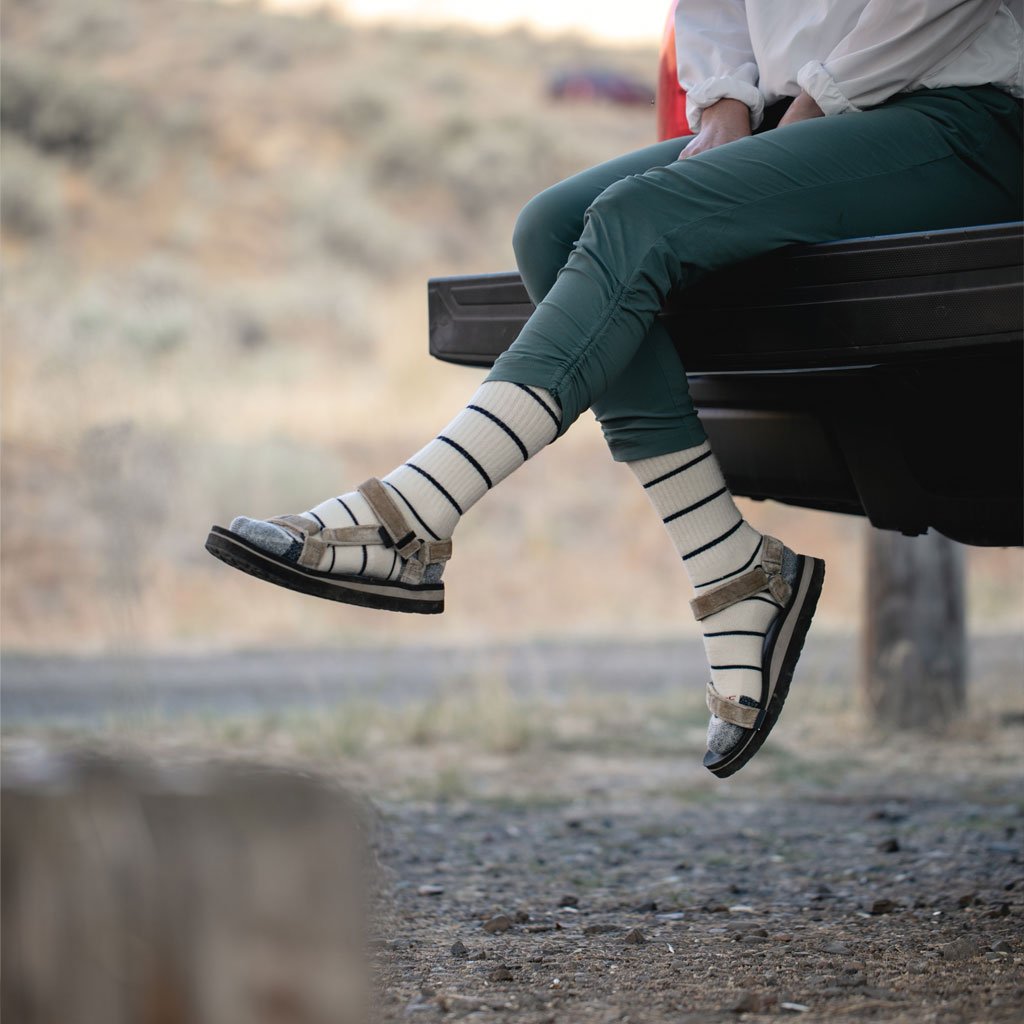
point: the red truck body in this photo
(670, 101)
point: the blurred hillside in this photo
(217, 227)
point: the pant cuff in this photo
(663, 441)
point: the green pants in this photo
(600, 252)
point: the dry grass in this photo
(217, 228)
(490, 736)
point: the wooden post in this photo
(914, 652)
(195, 894)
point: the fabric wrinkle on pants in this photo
(602, 251)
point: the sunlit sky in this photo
(638, 21)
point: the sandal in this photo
(418, 589)
(794, 581)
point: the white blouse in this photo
(847, 54)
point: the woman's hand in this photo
(801, 109)
(722, 122)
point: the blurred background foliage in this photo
(217, 227)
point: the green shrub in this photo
(338, 217)
(70, 115)
(358, 112)
(30, 199)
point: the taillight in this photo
(670, 102)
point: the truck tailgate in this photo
(855, 302)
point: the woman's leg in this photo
(649, 421)
(647, 410)
(928, 160)
(932, 159)
(504, 424)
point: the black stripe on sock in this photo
(764, 600)
(735, 572)
(727, 668)
(409, 505)
(544, 405)
(736, 632)
(331, 569)
(554, 398)
(426, 476)
(679, 469)
(469, 458)
(504, 426)
(355, 522)
(394, 562)
(695, 505)
(323, 525)
(712, 543)
(344, 505)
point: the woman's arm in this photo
(892, 46)
(724, 121)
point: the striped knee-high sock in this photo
(502, 426)
(715, 543)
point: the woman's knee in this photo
(526, 231)
(543, 236)
(626, 203)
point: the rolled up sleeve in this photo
(715, 58)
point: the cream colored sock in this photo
(502, 426)
(715, 543)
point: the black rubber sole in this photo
(236, 551)
(795, 621)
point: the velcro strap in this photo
(435, 551)
(730, 593)
(302, 529)
(730, 710)
(412, 571)
(393, 532)
(771, 555)
(395, 525)
(351, 536)
(765, 576)
(299, 526)
(779, 589)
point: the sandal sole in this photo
(384, 595)
(783, 653)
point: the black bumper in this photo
(877, 376)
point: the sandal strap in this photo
(766, 576)
(402, 536)
(395, 528)
(733, 711)
(312, 535)
(394, 532)
(341, 536)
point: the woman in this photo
(814, 121)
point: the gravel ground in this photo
(844, 875)
(838, 907)
(551, 850)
